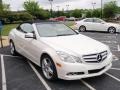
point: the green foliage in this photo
(88, 13)
(4, 10)
(96, 13)
(7, 28)
(118, 10)
(19, 16)
(77, 13)
(32, 7)
(110, 9)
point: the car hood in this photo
(79, 44)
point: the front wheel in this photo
(111, 29)
(82, 29)
(12, 49)
(48, 68)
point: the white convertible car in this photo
(60, 51)
(96, 24)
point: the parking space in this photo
(21, 74)
(104, 82)
(106, 38)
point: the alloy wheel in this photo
(82, 29)
(47, 68)
(12, 48)
(112, 30)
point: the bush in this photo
(25, 17)
(21, 16)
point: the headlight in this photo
(68, 58)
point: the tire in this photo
(111, 30)
(48, 68)
(82, 29)
(12, 49)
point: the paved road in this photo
(21, 74)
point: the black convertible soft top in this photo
(39, 22)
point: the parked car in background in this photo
(61, 18)
(60, 51)
(96, 24)
(71, 19)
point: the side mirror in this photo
(30, 35)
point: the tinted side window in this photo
(88, 20)
(97, 21)
(26, 28)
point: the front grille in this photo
(95, 58)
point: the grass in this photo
(69, 23)
(6, 28)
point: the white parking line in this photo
(115, 58)
(109, 42)
(4, 86)
(118, 47)
(40, 77)
(113, 77)
(10, 55)
(88, 85)
(115, 68)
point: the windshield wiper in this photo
(65, 34)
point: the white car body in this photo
(77, 45)
(96, 26)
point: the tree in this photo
(88, 13)
(110, 9)
(33, 8)
(4, 10)
(0, 1)
(77, 13)
(96, 13)
(118, 10)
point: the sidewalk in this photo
(5, 41)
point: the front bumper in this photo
(77, 71)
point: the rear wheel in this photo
(12, 48)
(48, 68)
(111, 29)
(82, 29)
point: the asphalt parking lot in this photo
(17, 73)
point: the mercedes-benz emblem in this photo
(99, 57)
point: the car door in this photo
(98, 25)
(31, 44)
(19, 38)
(88, 23)
(25, 46)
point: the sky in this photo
(16, 5)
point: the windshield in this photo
(53, 30)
